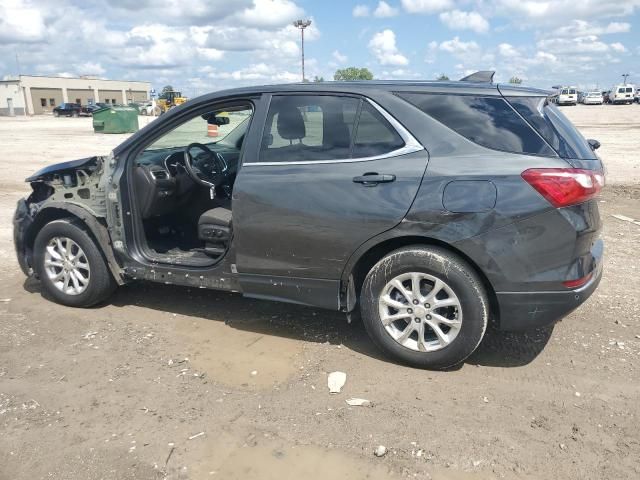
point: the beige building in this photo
(41, 94)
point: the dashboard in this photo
(163, 185)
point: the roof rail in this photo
(483, 76)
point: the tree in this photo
(442, 77)
(317, 79)
(515, 80)
(165, 90)
(353, 73)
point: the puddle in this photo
(229, 355)
(275, 461)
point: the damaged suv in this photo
(428, 209)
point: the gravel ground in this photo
(176, 383)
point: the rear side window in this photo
(374, 135)
(325, 127)
(554, 127)
(487, 121)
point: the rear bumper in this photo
(527, 310)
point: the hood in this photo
(59, 168)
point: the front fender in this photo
(26, 228)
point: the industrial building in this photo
(35, 95)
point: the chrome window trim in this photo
(411, 145)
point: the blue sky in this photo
(204, 45)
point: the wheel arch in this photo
(97, 230)
(364, 259)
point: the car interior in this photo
(183, 182)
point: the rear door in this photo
(329, 172)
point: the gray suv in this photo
(428, 209)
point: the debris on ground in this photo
(380, 451)
(196, 435)
(336, 381)
(358, 402)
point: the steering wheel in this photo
(214, 177)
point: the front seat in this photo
(214, 228)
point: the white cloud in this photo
(426, 6)
(340, 58)
(544, 12)
(582, 27)
(383, 46)
(270, 13)
(360, 11)
(20, 22)
(459, 20)
(618, 47)
(384, 10)
(586, 44)
(456, 46)
(90, 68)
(507, 50)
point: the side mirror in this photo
(594, 144)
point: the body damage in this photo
(75, 189)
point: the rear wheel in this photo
(70, 265)
(424, 306)
(56, 114)
(75, 114)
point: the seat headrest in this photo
(290, 123)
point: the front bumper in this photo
(22, 220)
(521, 311)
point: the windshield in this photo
(198, 130)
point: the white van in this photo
(622, 94)
(567, 96)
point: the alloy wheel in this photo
(420, 312)
(66, 265)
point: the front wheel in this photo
(425, 307)
(70, 265)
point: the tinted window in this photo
(553, 126)
(629, 90)
(487, 121)
(572, 92)
(621, 90)
(374, 135)
(321, 127)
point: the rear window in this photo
(487, 121)
(572, 92)
(554, 127)
(629, 90)
(565, 92)
(621, 90)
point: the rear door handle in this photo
(370, 179)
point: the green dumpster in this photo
(115, 120)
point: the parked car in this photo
(70, 110)
(622, 94)
(428, 209)
(592, 98)
(146, 108)
(567, 96)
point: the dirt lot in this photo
(124, 391)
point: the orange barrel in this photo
(212, 130)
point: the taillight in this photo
(563, 187)
(578, 282)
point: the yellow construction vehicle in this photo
(170, 99)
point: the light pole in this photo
(625, 75)
(302, 24)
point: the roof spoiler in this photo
(483, 76)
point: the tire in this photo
(75, 114)
(99, 283)
(467, 320)
(56, 114)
